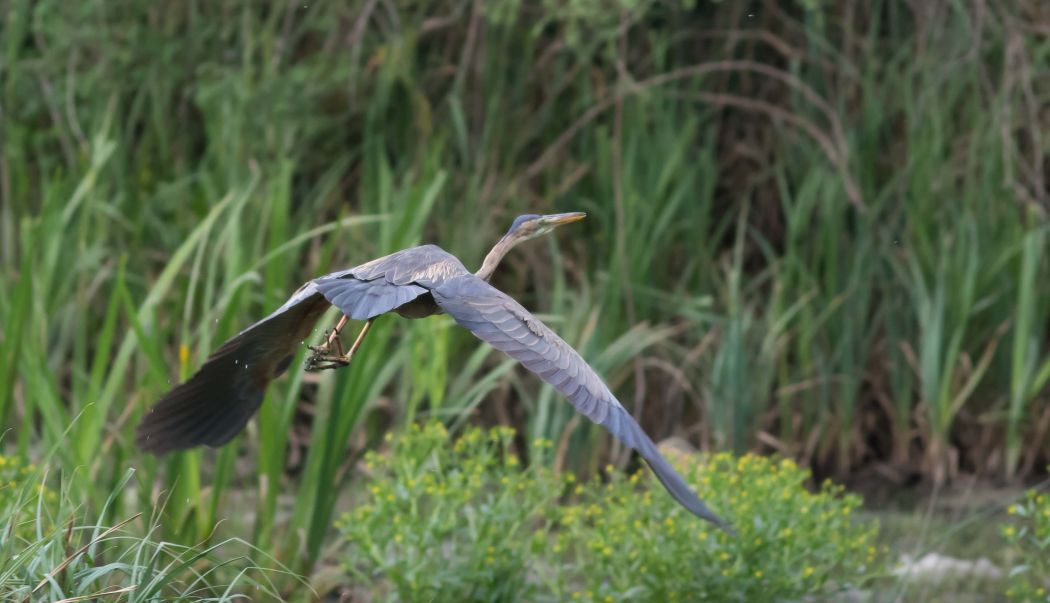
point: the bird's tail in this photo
(215, 404)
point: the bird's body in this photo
(214, 405)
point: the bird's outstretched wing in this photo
(386, 283)
(215, 403)
(497, 319)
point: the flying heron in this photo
(215, 404)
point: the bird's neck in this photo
(493, 259)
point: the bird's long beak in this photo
(559, 219)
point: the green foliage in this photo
(51, 549)
(628, 541)
(25, 500)
(821, 222)
(450, 523)
(466, 521)
(1028, 537)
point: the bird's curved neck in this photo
(493, 258)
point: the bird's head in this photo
(530, 226)
(524, 228)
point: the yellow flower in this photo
(1012, 510)
(758, 573)
(398, 538)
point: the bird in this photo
(216, 403)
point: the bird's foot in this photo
(316, 365)
(323, 360)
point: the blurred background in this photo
(816, 229)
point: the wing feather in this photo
(216, 402)
(494, 317)
(361, 300)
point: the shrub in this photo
(450, 523)
(1029, 538)
(467, 522)
(630, 544)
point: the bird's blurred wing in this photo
(495, 318)
(216, 402)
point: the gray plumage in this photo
(215, 403)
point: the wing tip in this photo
(622, 425)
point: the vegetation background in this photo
(815, 228)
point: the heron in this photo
(216, 403)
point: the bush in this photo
(467, 522)
(1029, 538)
(630, 544)
(450, 523)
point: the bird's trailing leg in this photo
(323, 358)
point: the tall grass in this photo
(817, 231)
